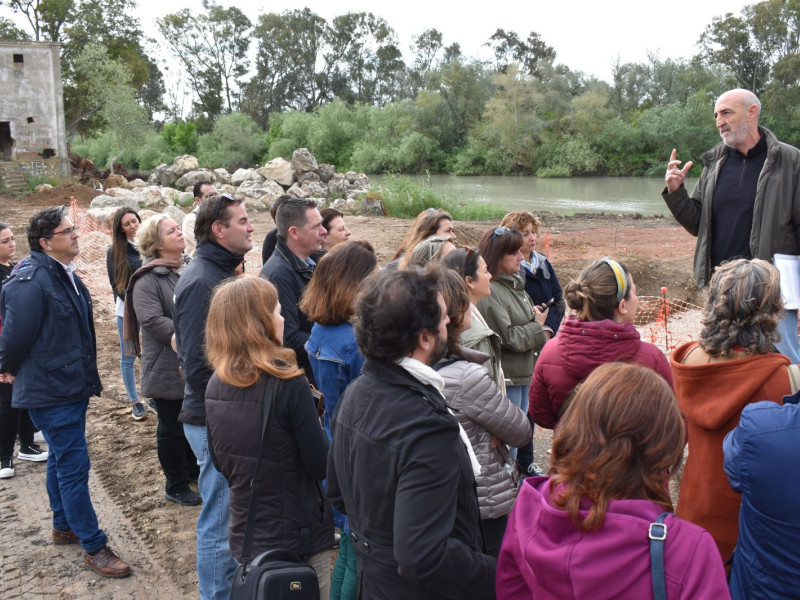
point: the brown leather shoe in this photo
(107, 563)
(64, 537)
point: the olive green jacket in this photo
(508, 311)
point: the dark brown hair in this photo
(456, 298)
(119, 250)
(496, 246)
(621, 438)
(329, 298)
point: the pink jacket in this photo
(578, 349)
(545, 556)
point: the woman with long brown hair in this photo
(585, 531)
(122, 260)
(244, 344)
(329, 301)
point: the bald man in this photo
(746, 203)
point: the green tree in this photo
(531, 54)
(751, 44)
(212, 48)
(235, 139)
(9, 31)
(110, 94)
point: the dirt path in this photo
(158, 537)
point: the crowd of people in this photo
(388, 411)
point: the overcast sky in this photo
(587, 35)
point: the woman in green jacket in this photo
(510, 313)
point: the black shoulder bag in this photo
(274, 574)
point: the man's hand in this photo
(676, 175)
(7, 378)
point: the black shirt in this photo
(732, 204)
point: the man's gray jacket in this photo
(776, 211)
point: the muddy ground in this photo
(158, 537)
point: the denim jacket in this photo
(335, 360)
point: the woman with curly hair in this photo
(585, 531)
(732, 365)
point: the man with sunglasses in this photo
(48, 350)
(223, 232)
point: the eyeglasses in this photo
(67, 231)
(223, 199)
(500, 231)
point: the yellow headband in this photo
(619, 274)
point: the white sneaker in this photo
(32, 453)
(6, 468)
(38, 438)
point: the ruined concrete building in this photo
(32, 130)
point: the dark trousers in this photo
(174, 453)
(13, 422)
(493, 530)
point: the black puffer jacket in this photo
(294, 455)
(400, 471)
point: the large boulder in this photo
(115, 180)
(152, 199)
(350, 176)
(192, 177)
(105, 201)
(117, 192)
(222, 176)
(347, 206)
(242, 175)
(315, 189)
(102, 216)
(308, 176)
(326, 172)
(303, 160)
(164, 175)
(280, 170)
(136, 183)
(42, 187)
(184, 164)
(184, 198)
(297, 191)
(254, 205)
(361, 182)
(175, 213)
(338, 186)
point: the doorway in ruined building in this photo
(6, 141)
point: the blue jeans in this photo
(518, 394)
(64, 429)
(126, 367)
(789, 345)
(215, 563)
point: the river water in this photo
(563, 196)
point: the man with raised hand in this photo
(747, 201)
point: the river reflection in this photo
(564, 196)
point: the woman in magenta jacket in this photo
(600, 330)
(584, 531)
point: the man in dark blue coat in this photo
(223, 232)
(48, 351)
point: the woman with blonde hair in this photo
(586, 531)
(148, 305)
(244, 344)
(733, 364)
(600, 330)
